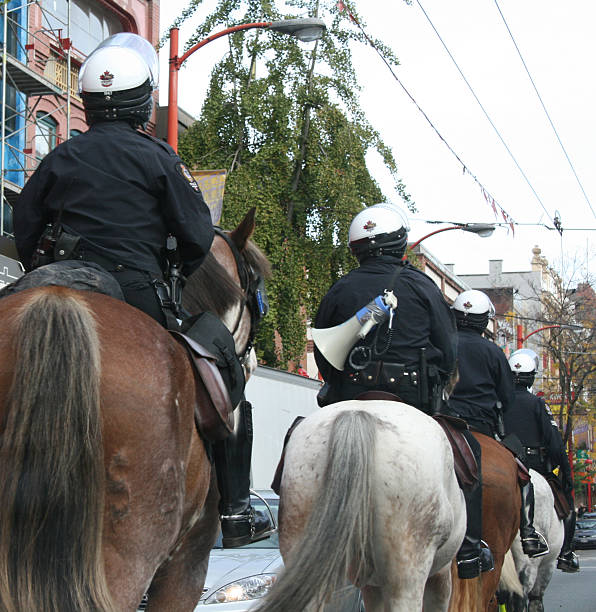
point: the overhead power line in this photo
(545, 110)
(485, 112)
(487, 196)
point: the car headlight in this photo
(252, 587)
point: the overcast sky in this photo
(556, 40)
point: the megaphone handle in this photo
(368, 325)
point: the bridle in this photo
(254, 296)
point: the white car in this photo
(239, 576)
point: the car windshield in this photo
(271, 542)
(591, 524)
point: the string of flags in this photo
(490, 200)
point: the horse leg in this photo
(437, 591)
(178, 584)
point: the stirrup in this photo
(569, 566)
(273, 521)
(487, 562)
(541, 541)
(241, 529)
(468, 568)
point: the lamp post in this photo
(482, 229)
(306, 30)
(521, 338)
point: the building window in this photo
(46, 130)
(90, 23)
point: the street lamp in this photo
(521, 338)
(482, 229)
(306, 30)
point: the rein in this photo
(249, 285)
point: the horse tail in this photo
(340, 518)
(52, 475)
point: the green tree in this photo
(285, 121)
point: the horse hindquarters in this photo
(401, 518)
(51, 451)
(324, 546)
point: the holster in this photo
(385, 374)
(67, 246)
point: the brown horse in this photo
(107, 491)
(500, 523)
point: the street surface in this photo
(574, 592)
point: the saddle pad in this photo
(276, 483)
(214, 413)
(80, 275)
(466, 467)
(562, 507)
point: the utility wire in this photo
(484, 111)
(545, 110)
(488, 197)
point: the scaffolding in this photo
(35, 64)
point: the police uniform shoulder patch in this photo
(185, 173)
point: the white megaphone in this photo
(335, 343)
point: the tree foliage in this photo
(285, 121)
(572, 346)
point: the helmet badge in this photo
(107, 78)
(468, 304)
(369, 226)
(517, 366)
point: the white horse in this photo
(535, 574)
(368, 495)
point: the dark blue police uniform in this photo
(423, 320)
(484, 379)
(123, 192)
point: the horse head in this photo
(230, 283)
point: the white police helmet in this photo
(116, 81)
(529, 352)
(474, 302)
(379, 229)
(522, 363)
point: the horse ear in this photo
(245, 229)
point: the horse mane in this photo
(212, 288)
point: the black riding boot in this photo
(474, 556)
(567, 560)
(533, 543)
(240, 523)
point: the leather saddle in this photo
(214, 412)
(562, 507)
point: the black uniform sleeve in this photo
(504, 380)
(187, 215)
(29, 214)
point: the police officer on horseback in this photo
(484, 392)
(531, 421)
(112, 196)
(411, 355)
